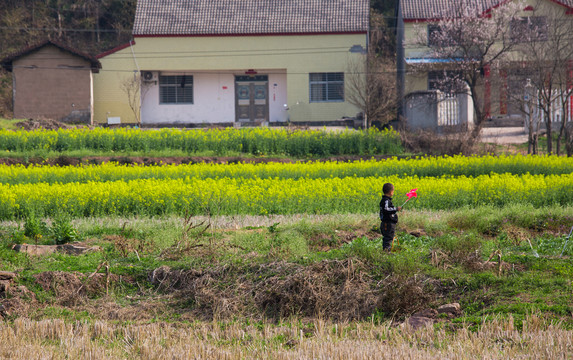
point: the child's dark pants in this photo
(388, 229)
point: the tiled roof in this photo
(7, 61)
(247, 17)
(436, 9)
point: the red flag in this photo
(412, 193)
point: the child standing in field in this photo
(388, 216)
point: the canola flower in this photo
(258, 141)
(420, 166)
(278, 196)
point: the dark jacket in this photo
(388, 212)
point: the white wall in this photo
(213, 100)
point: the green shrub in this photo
(34, 228)
(63, 231)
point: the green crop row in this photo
(257, 141)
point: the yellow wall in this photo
(299, 55)
(413, 32)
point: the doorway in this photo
(252, 99)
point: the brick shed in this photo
(52, 81)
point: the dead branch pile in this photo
(48, 124)
(339, 290)
(72, 288)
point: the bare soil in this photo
(140, 160)
(47, 124)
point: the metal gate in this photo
(252, 99)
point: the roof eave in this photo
(115, 49)
(7, 62)
(360, 32)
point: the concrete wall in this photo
(51, 83)
(433, 110)
(214, 61)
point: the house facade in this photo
(231, 62)
(52, 81)
(503, 88)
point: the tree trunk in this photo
(530, 143)
(548, 114)
(569, 139)
(97, 22)
(549, 137)
(59, 25)
(479, 117)
(564, 118)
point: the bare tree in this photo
(371, 82)
(547, 53)
(135, 89)
(372, 88)
(470, 40)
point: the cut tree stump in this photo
(70, 249)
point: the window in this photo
(437, 36)
(433, 34)
(176, 89)
(533, 28)
(326, 87)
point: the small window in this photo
(533, 28)
(176, 89)
(437, 36)
(326, 87)
(433, 34)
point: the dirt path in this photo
(140, 160)
(504, 135)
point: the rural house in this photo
(427, 82)
(228, 62)
(52, 81)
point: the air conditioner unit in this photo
(149, 76)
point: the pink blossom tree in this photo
(470, 39)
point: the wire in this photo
(209, 72)
(64, 29)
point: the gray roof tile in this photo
(235, 17)
(436, 9)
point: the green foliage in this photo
(60, 232)
(63, 231)
(6, 123)
(34, 228)
(458, 245)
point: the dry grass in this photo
(342, 290)
(497, 339)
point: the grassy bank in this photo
(492, 261)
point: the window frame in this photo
(536, 27)
(432, 29)
(327, 84)
(177, 85)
